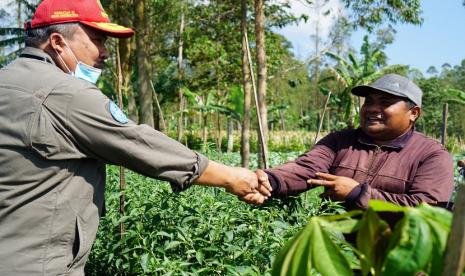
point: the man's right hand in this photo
(236, 180)
(260, 192)
(263, 179)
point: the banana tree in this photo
(353, 71)
(232, 109)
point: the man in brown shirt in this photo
(57, 132)
(384, 159)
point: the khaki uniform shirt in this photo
(57, 133)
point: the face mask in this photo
(86, 72)
(82, 71)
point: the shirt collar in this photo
(396, 143)
(41, 54)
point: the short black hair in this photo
(410, 103)
(38, 36)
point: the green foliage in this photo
(446, 87)
(353, 71)
(415, 244)
(372, 13)
(202, 231)
(311, 250)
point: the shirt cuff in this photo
(199, 168)
(274, 182)
(355, 193)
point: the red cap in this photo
(87, 12)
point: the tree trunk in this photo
(247, 86)
(218, 132)
(262, 73)
(205, 131)
(19, 11)
(143, 67)
(161, 118)
(328, 121)
(316, 74)
(445, 110)
(126, 46)
(181, 76)
(281, 119)
(454, 257)
(230, 135)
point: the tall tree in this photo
(247, 86)
(181, 75)
(262, 75)
(143, 64)
(121, 12)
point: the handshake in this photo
(255, 188)
(251, 187)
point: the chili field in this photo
(201, 231)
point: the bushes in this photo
(279, 141)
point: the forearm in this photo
(217, 175)
(291, 178)
(236, 180)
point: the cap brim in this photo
(110, 29)
(363, 90)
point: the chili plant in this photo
(202, 231)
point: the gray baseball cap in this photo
(393, 84)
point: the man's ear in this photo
(57, 43)
(415, 113)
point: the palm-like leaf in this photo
(12, 31)
(455, 96)
(12, 38)
(11, 41)
(29, 7)
(352, 72)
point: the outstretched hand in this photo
(248, 188)
(262, 191)
(336, 187)
(236, 180)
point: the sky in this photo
(440, 39)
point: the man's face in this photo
(385, 116)
(88, 45)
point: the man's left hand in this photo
(336, 187)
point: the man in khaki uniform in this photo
(57, 132)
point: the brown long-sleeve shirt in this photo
(410, 169)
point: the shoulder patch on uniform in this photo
(117, 113)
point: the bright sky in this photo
(440, 39)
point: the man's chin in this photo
(373, 130)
